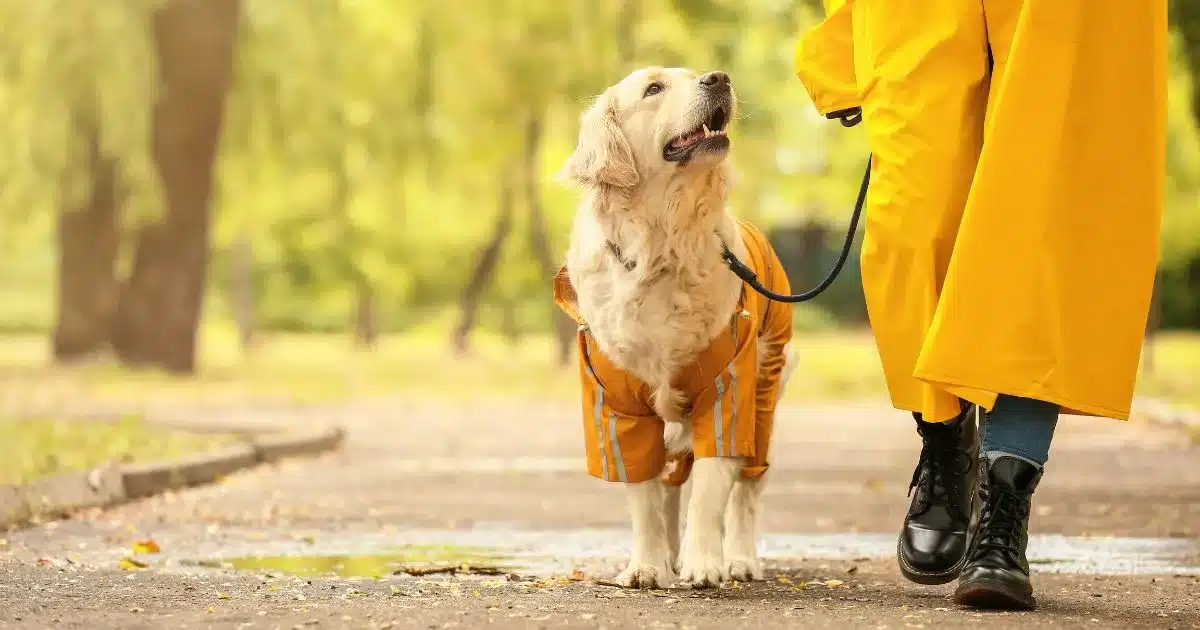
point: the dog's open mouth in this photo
(710, 135)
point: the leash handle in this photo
(740, 269)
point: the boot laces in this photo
(1005, 511)
(941, 468)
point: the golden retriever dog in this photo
(653, 297)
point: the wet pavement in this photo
(540, 554)
(498, 487)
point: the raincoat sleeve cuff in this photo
(824, 60)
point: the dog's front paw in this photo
(702, 570)
(639, 575)
(745, 569)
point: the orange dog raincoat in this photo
(731, 401)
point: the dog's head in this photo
(654, 123)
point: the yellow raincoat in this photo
(731, 411)
(1012, 227)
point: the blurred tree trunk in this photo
(88, 242)
(564, 327)
(627, 22)
(425, 96)
(1185, 15)
(158, 312)
(813, 236)
(242, 283)
(366, 316)
(509, 326)
(485, 268)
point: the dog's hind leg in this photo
(701, 557)
(741, 529)
(650, 565)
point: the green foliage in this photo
(367, 142)
(380, 159)
(64, 80)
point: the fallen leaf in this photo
(222, 596)
(145, 546)
(577, 576)
(129, 564)
(3, 542)
(833, 583)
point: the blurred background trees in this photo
(369, 167)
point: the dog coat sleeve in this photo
(774, 333)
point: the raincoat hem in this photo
(1067, 406)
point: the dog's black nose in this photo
(715, 79)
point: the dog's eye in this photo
(652, 89)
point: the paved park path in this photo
(501, 483)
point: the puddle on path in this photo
(409, 560)
(542, 553)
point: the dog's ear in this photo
(603, 155)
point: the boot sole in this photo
(928, 578)
(989, 595)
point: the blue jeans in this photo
(1019, 426)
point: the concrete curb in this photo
(272, 448)
(56, 495)
(143, 480)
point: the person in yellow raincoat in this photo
(1012, 233)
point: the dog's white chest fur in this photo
(652, 320)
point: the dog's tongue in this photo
(688, 141)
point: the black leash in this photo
(849, 118)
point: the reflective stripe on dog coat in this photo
(731, 400)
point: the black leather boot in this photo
(934, 540)
(997, 571)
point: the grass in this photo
(31, 448)
(833, 365)
(1171, 369)
(317, 368)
